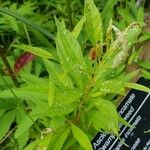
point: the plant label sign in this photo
(135, 108)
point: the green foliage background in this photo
(68, 93)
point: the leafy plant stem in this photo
(8, 67)
(77, 120)
(88, 88)
(85, 97)
(69, 10)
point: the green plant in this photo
(74, 99)
(128, 12)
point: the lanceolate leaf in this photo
(5, 122)
(31, 79)
(24, 125)
(57, 74)
(110, 86)
(146, 74)
(109, 37)
(76, 31)
(32, 145)
(148, 131)
(119, 48)
(22, 140)
(138, 87)
(58, 138)
(93, 23)
(36, 51)
(108, 9)
(69, 47)
(62, 138)
(29, 22)
(43, 143)
(25, 94)
(42, 38)
(145, 64)
(70, 55)
(129, 76)
(131, 33)
(109, 114)
(98, 120)
(81, 137)
(124, 122)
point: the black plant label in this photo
(135, 108)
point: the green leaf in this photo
(70, 55)
(119, 58)
(32, 145)
(68, 95)
(39, 88)
(32, 79)
(60, 109)
(6, 104)
(6, 121)
(36, 51)
(58, 138)
(62, 138)
(26, 21)
(107, 12)
(109, 86)
(109, 114)
(56, 72)
(99, 121)
(51, 92)
(1, 112)
(22, 140)
(109, 37)
(145, 64)
(69, 142)
(124, 122)
(146, 74)
(93, 23)
(131, 33)
(23, 93)
(57, 122)
(44, 142)
(129, 76)
(125, 14)
(42, 38)
(143, 38)
(138, 87)
(81, 137)
(24, 126)
(140, 14)
(76, 31)
(148, 131)
(68, 47)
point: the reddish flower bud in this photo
(93, 53)
(22, 61)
